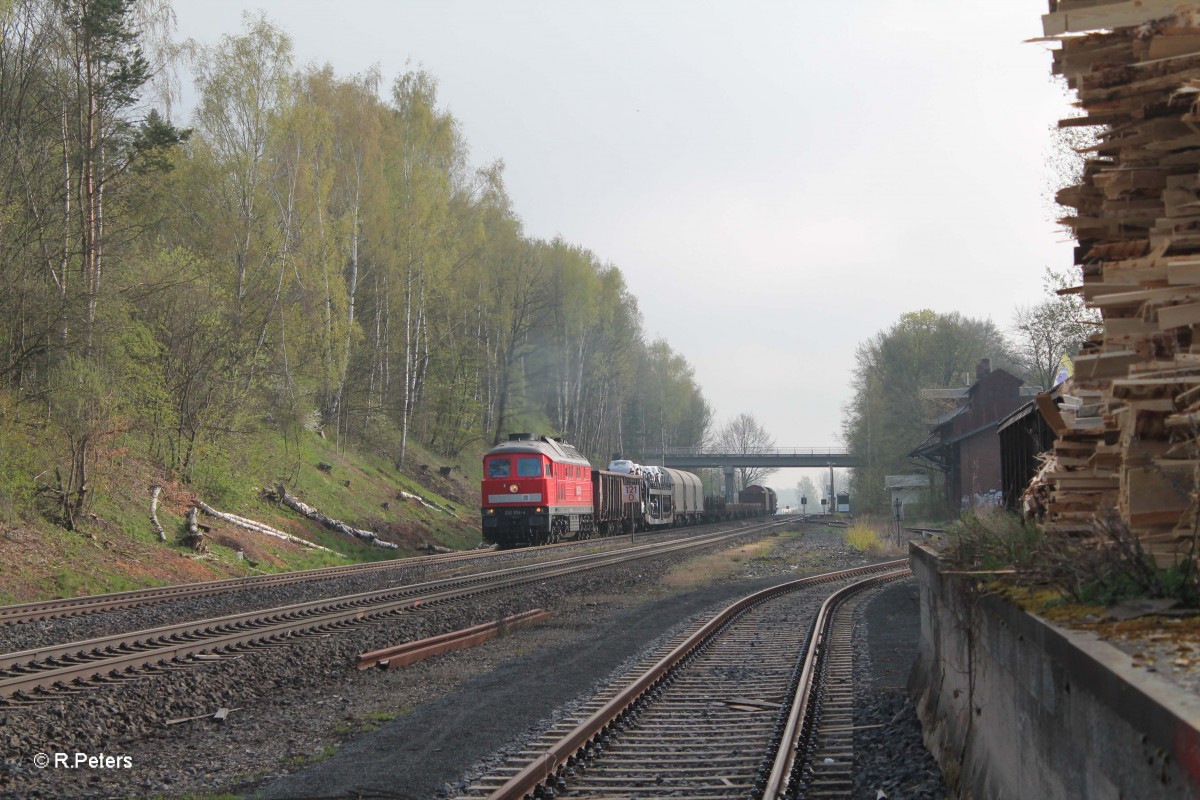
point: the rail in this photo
(46, 669)
(785, 767)
(548, 767)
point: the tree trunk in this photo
(162, 535)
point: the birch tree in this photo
(245, 86)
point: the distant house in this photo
(963, 443)
(906, 490)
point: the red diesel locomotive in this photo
(535, 490)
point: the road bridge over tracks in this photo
(774, 458)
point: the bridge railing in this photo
(773, 451)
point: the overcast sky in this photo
(777, 179)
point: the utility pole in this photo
(832, 494)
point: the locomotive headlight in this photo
(537, 510)
(491, 511)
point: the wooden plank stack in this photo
(1129, 442)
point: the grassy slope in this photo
(117, 548)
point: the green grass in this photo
(383, 716)
(73, 583)
(305, 760)
(373, 720)
(117, 533)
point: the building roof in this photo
(916, 481)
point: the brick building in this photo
(963, 442)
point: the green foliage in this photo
(1117, 568)
(312, 256)
(304, 760)
(1105, 572)
(1109, 583)
(21, 447)
(993, 540)
(888, 416)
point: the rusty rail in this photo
(545, 767)
(411, 652)
(798, 719)
(97, 603)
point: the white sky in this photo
(777, 179)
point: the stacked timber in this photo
(1128, 439)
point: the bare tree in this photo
(743, 434)
(805, 488)
(1041, 335)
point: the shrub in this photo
(1115, 567)
(865, 540)
(993, 539)
(1106, 568)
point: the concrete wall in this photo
(1015, 708)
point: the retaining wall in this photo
(1014, 707)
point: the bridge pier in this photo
(730, 485)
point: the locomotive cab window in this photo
(499, 468)
(529, 467)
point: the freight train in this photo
(540, 490)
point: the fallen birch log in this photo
(427, 503)
(162, 535)
(258, 527)
(194, 538)
(305, 510)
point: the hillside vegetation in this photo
(115, 546)
(307, 270)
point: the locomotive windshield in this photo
(499, 468)
(529, 467)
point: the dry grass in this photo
(713, 567)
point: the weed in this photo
(1104, 569)
(1117, 569)
(382, 716)
(865, 540)
(302, 760)
(989, 540)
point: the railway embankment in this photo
(1014, 706)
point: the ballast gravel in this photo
(304, 723)
(890, 759)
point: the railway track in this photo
(134, 598)
(98, 603)
(48, 672)
(753, 703)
